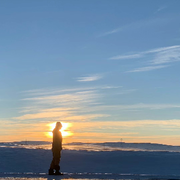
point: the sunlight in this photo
(64, 130)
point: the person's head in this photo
(58, 125)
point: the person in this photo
(56, 150)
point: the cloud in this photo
(133, 130)
(62, 116)
(63, 98)
(64, 104)
(51, 91)
(148, 68)
(76, 104)
(43, 115)
(145, 106)
(138, 106)
(136, 25)
(159, 57)
(164, 51)
(99, 131)
(160, 9)
(167, 56)
(113, 31)
(94, 77)
(84, 109)
(115, 125)
(131, 56)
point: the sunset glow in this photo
(64, 130)
(108, 71)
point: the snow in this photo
(20, 160)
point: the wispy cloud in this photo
(148, 106)
(148, 68)
(94, 77)
(168, 55)
(135, 107)
(72, 104)
(64, 105)
(99, 131)
(159, 57)
(62, 116)
(83, 107)
(115, 130)
(113, 31)
(132, 123)
(160, 9)
(51, 91)
(130, 56)
(173, 50)
(75, 104)
(136, 25)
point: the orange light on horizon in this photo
(64, 130)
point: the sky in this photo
(107, 69)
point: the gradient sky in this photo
(108, 67)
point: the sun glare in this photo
(64, 130)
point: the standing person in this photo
(56, 150)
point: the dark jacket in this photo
(57, 140)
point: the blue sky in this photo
(110, 68)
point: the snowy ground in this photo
(19, 161)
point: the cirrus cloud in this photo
(160, 58)
(94, 77)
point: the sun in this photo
(64, 130)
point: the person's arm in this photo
(60, 135)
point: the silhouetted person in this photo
(56, 150)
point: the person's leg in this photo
(57, 161)
(52, 166)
